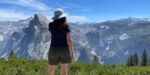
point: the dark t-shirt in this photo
(58, 36)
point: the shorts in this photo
(59, 55)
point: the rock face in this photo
(111, 41)
(33, 41)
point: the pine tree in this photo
(135, 60)
(95, 59)
(144, 60)
(11, 54)
(149, 61)
(130, 60)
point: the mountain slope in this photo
(111, 41)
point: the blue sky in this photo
(76, 10)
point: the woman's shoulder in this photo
(67, 28)
(50, 23)
(50, 26)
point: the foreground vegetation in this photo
(23, 66)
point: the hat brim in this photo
(58, 17)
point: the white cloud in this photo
(75, 18)
(28, 3)
(10, 15)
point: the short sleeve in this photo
(68, 29)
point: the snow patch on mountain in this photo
(126, 53)
(1, 38)
(124, 36)
(100, 60)
(93, 52)
(104, 27)
(108, 45)
(109, 53)
(4, 55)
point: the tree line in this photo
(133, 59)
(136, 60)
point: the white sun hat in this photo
(58, 14)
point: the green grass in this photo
(22, 66)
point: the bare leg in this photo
(64, 69)
(51, 69)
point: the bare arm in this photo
(70, 44)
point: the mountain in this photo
(112, 41)
(120, 38)
(7, 28)
(31, 41)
